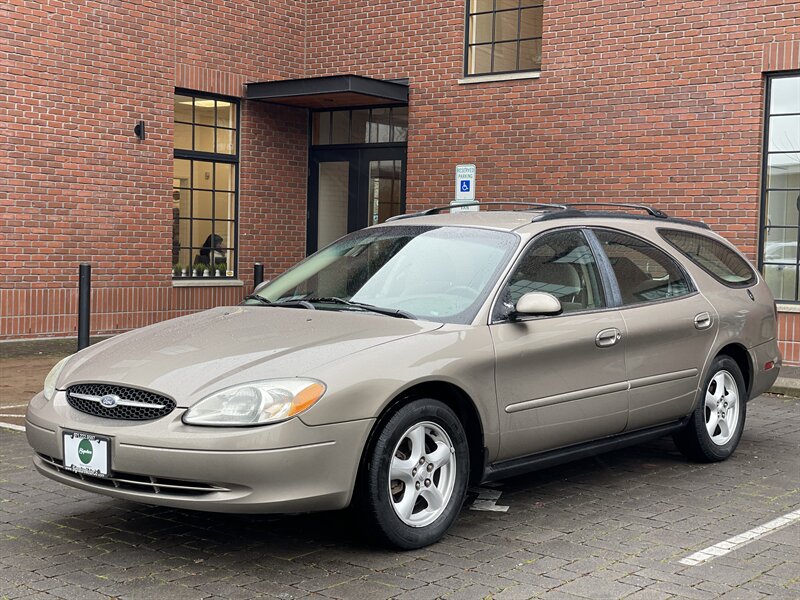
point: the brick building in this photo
(268, 128)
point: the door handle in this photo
(608, 337)
(702, 321)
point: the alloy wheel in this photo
(722, 408)
(422, 474)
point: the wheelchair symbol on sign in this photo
(465, 185)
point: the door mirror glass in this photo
(538, 303)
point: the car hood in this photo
(190, 357)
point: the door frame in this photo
(359, 157)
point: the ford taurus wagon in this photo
(404, 361)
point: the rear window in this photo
(714, 257)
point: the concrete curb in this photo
(787, 387)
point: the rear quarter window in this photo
(714, 257)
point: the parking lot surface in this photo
(615, 526)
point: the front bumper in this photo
(285, 467)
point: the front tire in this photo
(716, 424)
(415, 474)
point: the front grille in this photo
(144, 484)
(147, 404)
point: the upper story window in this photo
(204, 186)
(781, 188)
(503, 36)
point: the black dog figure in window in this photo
(211, 246)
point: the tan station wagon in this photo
(408, 359)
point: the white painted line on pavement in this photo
(737, 541)
(14, 427)
(11, 415)
(487, 500)
(15, 406)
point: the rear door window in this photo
(714, 257)
(644, 272)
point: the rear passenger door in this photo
(669, 328)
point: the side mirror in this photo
(538, 303)
(260, 286)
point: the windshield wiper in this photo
(287, 304)
(390, 312)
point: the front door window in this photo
(332, 203)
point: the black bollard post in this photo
(258, 274)
(84, 304)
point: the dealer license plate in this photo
(87, 453)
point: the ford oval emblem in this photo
(109, 400)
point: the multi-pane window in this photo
(781, 190)
(204, 186)
(503, 36)
(360, 126)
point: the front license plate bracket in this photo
(87, 453)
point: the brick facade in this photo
(642, 101)
(81, 188)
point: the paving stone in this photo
(595, 586)
(519, 592)
(616, 525)
(427, 592)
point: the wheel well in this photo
(458, 401)
(739, 354)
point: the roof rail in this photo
(437, 209)
(565, 211)
(576, 214)
(653, 212)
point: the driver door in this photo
(561, 379)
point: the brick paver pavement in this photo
(610, 527)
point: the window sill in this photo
(788, 308)
(210, 282)
(503, 77)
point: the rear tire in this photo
(715, 426)
(415, 475)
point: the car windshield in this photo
(432, 273)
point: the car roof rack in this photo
(653, 212)
(437, 209)
(565, 211)
(650, 213)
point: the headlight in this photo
(256, 403)
(50, 380)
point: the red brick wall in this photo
(653, 102)
(643, 101)
(659, 102)
(789, 334)
(78, 186)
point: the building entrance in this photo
(357, 167)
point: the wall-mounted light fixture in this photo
(139, 130)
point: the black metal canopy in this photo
(329, 92)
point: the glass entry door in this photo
(350, 189)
